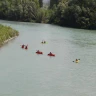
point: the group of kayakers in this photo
(24, 46)
(40, 52)
(43, 42)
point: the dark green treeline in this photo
(70, 13)
(75, 13)
(22, 10)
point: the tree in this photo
(52, 2)
(41, 3)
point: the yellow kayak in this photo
(77, 61)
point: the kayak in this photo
(77, 61)
(51, 54)
(39, 52)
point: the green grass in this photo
(6, 33)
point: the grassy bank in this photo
(6, 33)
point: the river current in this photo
(24, 73)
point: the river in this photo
(24, 73)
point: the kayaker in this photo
(26, 47)
(44, 41)
(50, 53)
(77, 60)
(38, 51)
(23, 46)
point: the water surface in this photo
(24, 73)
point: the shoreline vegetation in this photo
(7, 34)
(68, 13)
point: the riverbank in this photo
(7, 34)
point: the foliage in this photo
(52, 2)
(43, 16)
(56, 2)
(41, 3)
(6, 33)
(19, 10)
(75, 13)
(71, 13)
